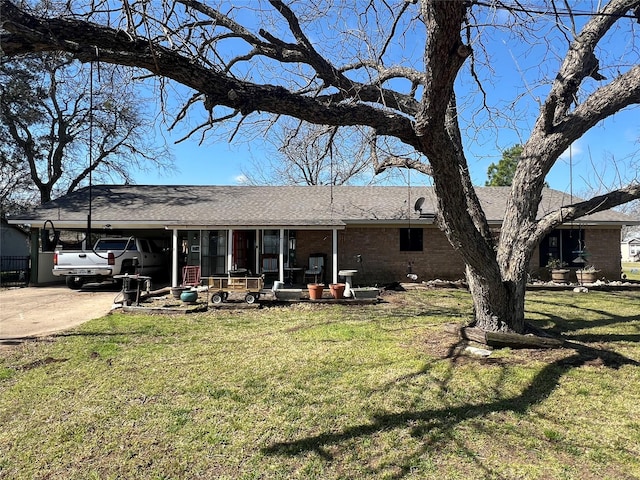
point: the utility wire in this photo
(556, 12)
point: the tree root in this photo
(502, 340)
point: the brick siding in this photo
(383, 262)
(603, 245)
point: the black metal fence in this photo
(14, 271)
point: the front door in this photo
(244, 242)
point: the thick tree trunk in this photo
(496, 271)
(498, 305)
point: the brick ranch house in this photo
(276, 229)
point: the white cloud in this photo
(241, 179)
(574, 151)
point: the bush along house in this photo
(298, 234)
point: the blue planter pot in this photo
(190, 296)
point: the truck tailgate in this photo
(81, 260)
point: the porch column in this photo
(334, 239)
(257, 247)
(281, 256)
(230, 250)
(174, 259)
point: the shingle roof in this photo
(174, 205)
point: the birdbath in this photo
(347, 274)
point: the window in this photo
(410, 239)
(116, 244)
(566, 245)
(214, 252)
(271, 241)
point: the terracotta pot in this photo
(315, 290)
(337, 290)
(587, 277)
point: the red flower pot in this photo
(337, 290)
(315, 290)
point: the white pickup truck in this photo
(110, 256)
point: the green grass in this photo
(631, 270)
(327, 392)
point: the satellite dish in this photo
(418, 206)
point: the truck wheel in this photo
(74, 283)
(250, 298)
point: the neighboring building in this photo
(14, 242)
(374, 230)
(630, 249)
(14, 255)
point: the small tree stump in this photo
(500, 339)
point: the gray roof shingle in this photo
(310, 206)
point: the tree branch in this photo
(588, 207)
(581, 62)
(81, 39)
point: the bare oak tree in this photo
(308, 154)
(60, 126)
(415, 71)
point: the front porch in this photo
(293, 257)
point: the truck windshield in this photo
(115, 244)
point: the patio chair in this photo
(191, 276)
(315, 268)
(269, 265)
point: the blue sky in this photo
(512, 71)
(222, 163)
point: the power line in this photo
(556, 12)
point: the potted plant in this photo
(189, 296)
(559, 274)
(587, 274)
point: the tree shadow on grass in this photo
(439, 424)
(562, 325)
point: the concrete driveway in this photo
(37, 311)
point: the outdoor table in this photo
(291, 274)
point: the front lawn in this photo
(327, 392)
(631, 270)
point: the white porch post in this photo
(334, 235)
(281, 256)
(174, 259)
(230, 250)
(258, 267)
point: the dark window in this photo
(116, 244)
(566, 245)
(410, 239)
